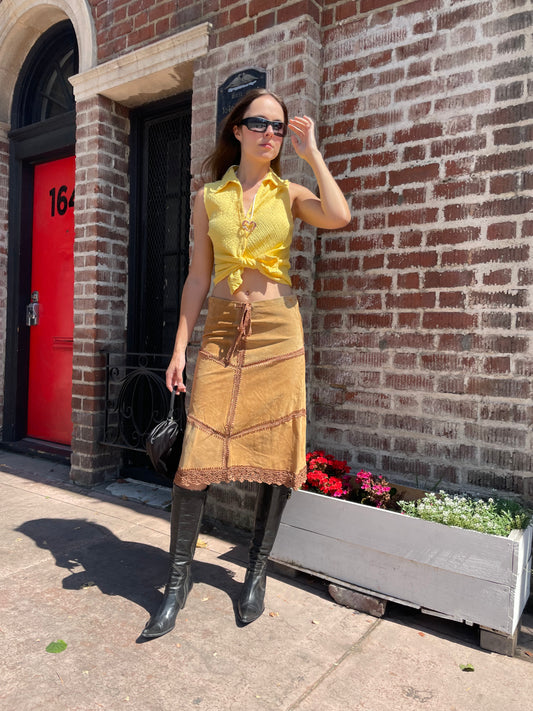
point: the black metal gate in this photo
(159, 256)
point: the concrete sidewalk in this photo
(86, 567)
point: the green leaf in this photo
(56, 647)
(466, 667)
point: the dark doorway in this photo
(159, 256)
(158, 267)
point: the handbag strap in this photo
(170, 415)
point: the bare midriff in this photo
(255, 287)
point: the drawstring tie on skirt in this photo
(244, 329)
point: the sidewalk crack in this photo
(294, 706)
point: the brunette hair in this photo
(227, 151)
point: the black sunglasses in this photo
(260, 124)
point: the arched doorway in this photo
(37, 408)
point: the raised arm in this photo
(194, 292)
(330, 210)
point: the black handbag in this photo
(164, 443)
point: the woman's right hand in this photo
(175, 373)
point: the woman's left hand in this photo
(303, 136)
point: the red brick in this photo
(463, 166)
(507, 114)
(462, 144)
(499, 387)
(369, 320)
(419, 132)
(379, 59)
(416, 174)
(405, 260)
(429, 44)
(497, 364)
(472, 55)
(377, 120)
(423, 28)
(412, 238)
(463, 101)
(513, 135)
(504, 161)
(524, 320)
(527, 228)
(409, 217)
(409, 319)
(516, 67)
(418, 7)
(472, 12)
(451, 384)
(406, 381)
(258, 6)
(452, 300)
(369, 282)
(374, 261)
(345, 10)
(421, 90)
(346, 303)
(449, 320)
(236, 32)
(448, 362)
(506, 183)
(371, 182)
(515, 298)
(420, 69)
(373, 201)
(416, 300)
(525, 277)
(453, 235)
(405, 361)
(453, 190)
(498, 277)
(414, 153)
(495, 208)
(297, 9)
(337, 264)
(419, 111)
(391, 76)
(409, 281)
(381, 18)
(374, 221)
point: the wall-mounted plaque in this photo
(235, 87)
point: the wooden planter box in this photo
(463, 575)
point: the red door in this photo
(52, 286)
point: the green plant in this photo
(496, 516)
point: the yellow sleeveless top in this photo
(267, 246)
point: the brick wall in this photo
(418, 313)
(100, 267)
(422, 338)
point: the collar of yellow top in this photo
(230, 176)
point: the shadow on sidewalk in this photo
(94, 556)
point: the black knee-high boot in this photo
(186, 517)
(271, 501)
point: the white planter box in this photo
(463, 575)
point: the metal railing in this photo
(136, 397)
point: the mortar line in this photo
(294, 706)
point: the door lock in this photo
(32, 310)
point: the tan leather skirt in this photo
(246, 419)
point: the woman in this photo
(246, 417)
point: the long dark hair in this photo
(227, 151)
